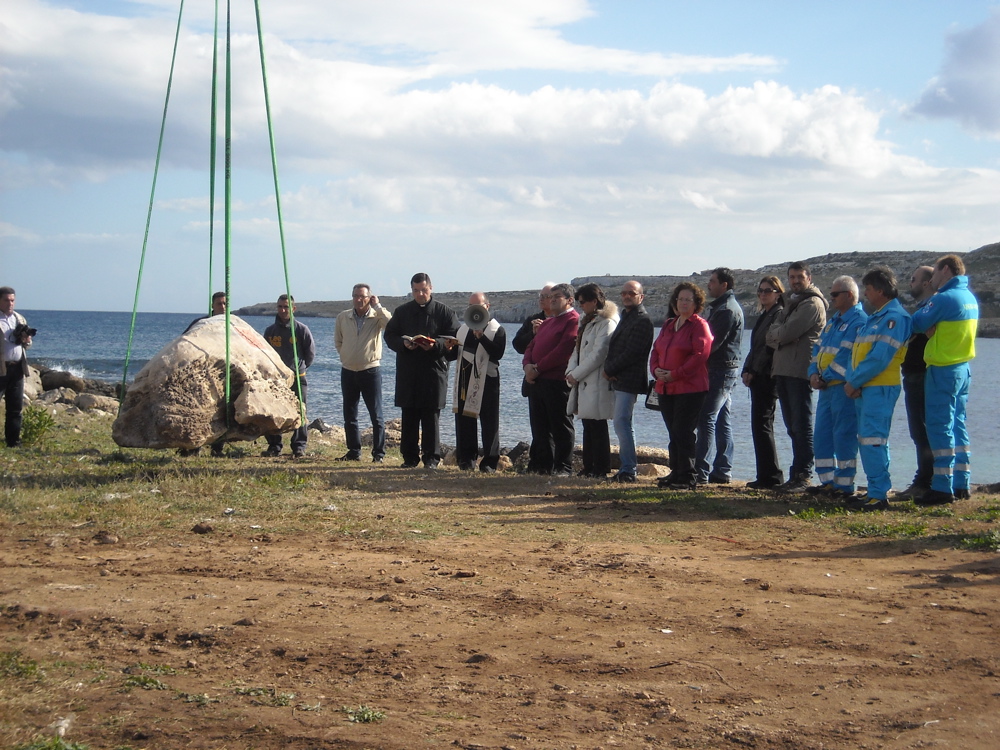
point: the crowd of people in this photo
(597, 363)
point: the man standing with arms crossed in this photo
(950, 319)
(417, 333)
(279, 335)
(358, 338)
(625, 367)
(792, 337)
(725, 319)
(13, 365)
(914, 373)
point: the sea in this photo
(94, 344)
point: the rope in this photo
(281, 226)
(149, 212)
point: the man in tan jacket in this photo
(358, 338)
(792, 337)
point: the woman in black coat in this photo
(763, 390)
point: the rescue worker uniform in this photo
(955, 313)
(835, 435)
(875, 360)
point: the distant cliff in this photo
(983, 266)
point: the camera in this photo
(23, 329)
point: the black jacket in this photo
(421, 377)
(628, 351)
(758, 362)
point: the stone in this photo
(178, 399)
(32, 385)
(58, 396)
(52, 379)
(91, 401)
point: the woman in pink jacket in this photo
(679, 362)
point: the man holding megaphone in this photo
(478, 347)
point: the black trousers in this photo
(680, 415)
(466, 440)
(763, 399)
(914, 398)
(552, 430)
(420, 431)
(12, 389)
(596, 447)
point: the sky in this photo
(491, 145)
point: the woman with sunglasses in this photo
(763, 390)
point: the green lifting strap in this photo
(281, 226)
(149, 212)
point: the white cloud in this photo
(703, 201)
(968, 87)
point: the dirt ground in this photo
(742, 633)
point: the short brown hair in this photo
(954, 264)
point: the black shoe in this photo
(432, 463)
(867, 504)
(410, 465)
(963, 494)
(796, 484)
(913, 492)
(299, 453)
(378, 459)
(186, 452)
(217, 452)
(349, 456)
(934, 497)
(271, 452)
(718, 479)
(487, 469)
(761, 484)
(466, 467)
(562, 473)
(622, 477)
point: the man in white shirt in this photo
(13, 364)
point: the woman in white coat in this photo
(591, 397)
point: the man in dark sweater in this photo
(545, 360)
(522, 338)
(914, 371)
(625, 367)
(279, 335)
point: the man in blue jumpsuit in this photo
(874, 380)
(950, 319)
(835, 435)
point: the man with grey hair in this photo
(835, 436)
(15, 339)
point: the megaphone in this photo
(476, 317)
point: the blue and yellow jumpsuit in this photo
(949, 319)
(875, 359)
(835, 436)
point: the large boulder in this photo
(178, 399)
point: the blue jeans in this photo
(795, 397)
(366, 384)
(625, 430)
(714, 426)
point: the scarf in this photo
(473, 369)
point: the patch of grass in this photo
(155, 668)
(143, 681)
(36, 422)
(13, 664)
(986, 542)
(903, 530)
(199, 699)
(271, 697)
(363, 714)
(987, 514)
(817, 514)
(935, 511)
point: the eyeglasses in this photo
(630, 294)
(837, 294)
(766, 291)
(688, 300)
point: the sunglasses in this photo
(767, 291)
(837, 294)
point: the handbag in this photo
(652, 397)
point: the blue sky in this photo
(492, 145)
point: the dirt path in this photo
(713, 641)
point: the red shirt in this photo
(685, 353)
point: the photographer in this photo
(13, 364)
